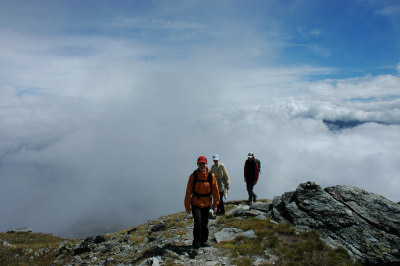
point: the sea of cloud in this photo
(75, 167)
(102, 121)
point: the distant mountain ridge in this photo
(335, 125)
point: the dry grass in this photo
(272, 239)
(282, 241)
(29, 248)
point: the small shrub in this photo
(243, 261)
(284, 229)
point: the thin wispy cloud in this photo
(156, 24)
(389, 10)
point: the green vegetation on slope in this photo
(278, 242)
(281, 240)
(29, 248)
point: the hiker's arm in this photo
(226, 177)
(257, 174)
(188, 195)
(244, 174)
(215, 193)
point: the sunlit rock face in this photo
(366, 224)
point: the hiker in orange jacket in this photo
(201, 194)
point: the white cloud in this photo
(389, 10)
(131, 153)
(106, 128)
(127, 128)
(156, 24)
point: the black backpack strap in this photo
(210, 181)
(194, 181)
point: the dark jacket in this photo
(251, 171)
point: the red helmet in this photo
(202, 159)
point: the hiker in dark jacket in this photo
(251, 172)
(201, 194)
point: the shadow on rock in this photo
(168, 249)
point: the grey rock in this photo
(261, 206)
(261, 217)
(249, 234)
(227, 234)
(6, 244)
(253, 213)
(258, 209)
(276, 214)
(21, 230)
(373, 208)
(367, 225)
(152, 261)
(239, 210)
(84, 246)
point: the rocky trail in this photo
(167, 240)
(338, 225)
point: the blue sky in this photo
(105, 105)
(353, 37)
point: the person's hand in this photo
(215, 210)
(227, 187)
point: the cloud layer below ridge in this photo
(104, 110)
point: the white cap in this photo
(250, 155)
(215, 157)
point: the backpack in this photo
(258, 164)
(195, 180)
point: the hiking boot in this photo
(196, 245)
(254, 198)
(205, 245)
(249, 201)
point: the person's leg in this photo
(254, 197)
(196, 211)
(204, 225)
(221, 207)
(222, 204)
(250, 186)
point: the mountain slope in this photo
(261, 234)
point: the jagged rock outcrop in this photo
(365, 224)
(21, 230)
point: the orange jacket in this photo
(202, 188)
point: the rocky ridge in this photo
(355, 225)
(165, 241)
(367, 225)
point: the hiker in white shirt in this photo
(218, 169)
